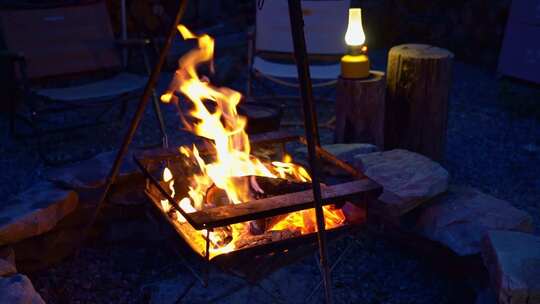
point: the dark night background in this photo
(493, 144)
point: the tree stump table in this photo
(360, 110)
(418, 88)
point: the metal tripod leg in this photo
(148, 90)
(312, 134)
(161, 121)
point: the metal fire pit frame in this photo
(310, 123)
(361, 190)
(243, 262)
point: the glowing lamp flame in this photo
(355, 32)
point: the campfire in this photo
(219, 196)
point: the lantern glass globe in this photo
(355, 35)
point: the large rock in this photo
(92, 173)
(345, 152)
(513, 261)
(18, 289)
(462, 216)
(409, 179)
(34, 212)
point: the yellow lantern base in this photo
(355, 66)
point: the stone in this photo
(18, 289)
(513, 261)
(345, 152)
(92, 173)
(409, 179)
(34, 212)
(460, 218)
(354, 214)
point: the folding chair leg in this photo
(157, 109)
(161, 122)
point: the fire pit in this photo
(220, 198)
(277, 219)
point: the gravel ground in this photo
(372, 271)
(493, 144)
(494, 137)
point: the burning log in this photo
(278, 186)
(259, 186)
(216, 197)
(267, 237)
(267, 187)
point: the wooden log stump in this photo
(418, 88)
(360, 110)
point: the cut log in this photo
(360, 109)
(279, 186)
(418, 87)
(267, 237)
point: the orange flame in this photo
(232, 165)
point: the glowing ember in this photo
(232, 168)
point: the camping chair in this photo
(49, 45)
(270, 51)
